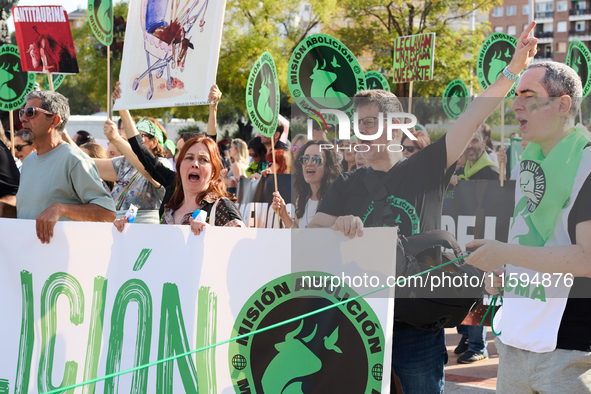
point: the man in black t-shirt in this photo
(410, 198)
(9, 181)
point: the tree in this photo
(377, 22)
(5, 10)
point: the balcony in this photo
(544, 34)
(579, 12)
(578, 33)
(547, 14)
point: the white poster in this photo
(95, 303)
(170, 54)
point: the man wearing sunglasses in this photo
(409, 194)
(22, 148)
(58, 181)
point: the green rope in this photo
(261, 330)
(493, 305)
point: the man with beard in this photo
(411, 197)
(479, 165)
(58, 181)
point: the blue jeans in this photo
(476, 337)
(418, 358)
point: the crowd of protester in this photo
(195, 182)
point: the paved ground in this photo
(477, 378)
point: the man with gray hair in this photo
(58, 181)
(545, 320)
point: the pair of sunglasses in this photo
(31, 112)
(411, 148)
(148, 136)
(316, 160)
(20, 147)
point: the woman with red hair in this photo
(199, 186)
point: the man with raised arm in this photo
(545, 320)
(58, 181)
(411, 198)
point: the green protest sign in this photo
(262, 95)
(324, 74)
(495, 54)
(57, 81)
(14, 83)
(100, 19)
(579, 59)
(414, 57)
(375, 80)
(455, 99)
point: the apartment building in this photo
(558, 22)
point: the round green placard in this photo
(324, 74)
(578, 58)
(340, 350)
(14, 83)
(495, 54)
(375, 80)
(455, 99)
(100, 19)
(57, 80)
(262, 95)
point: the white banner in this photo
(171, 52)
(95, 302)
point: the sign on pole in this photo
(495, 54)
(100, 19)
(15, 83)
(414, 58)
(262, 95)
(455, 99)
(375, 80)
(324, 74)
(578, 58)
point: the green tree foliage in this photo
(375, 24)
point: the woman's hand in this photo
(117, 92)
(120, 223)
(266, 172)
(454, 180)
(255, 176)
(110, 130)
(280, 208)
(214, 96)
(197, 226)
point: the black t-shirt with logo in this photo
(415, 189)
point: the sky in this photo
(69, 5)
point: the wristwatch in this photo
(510, 76)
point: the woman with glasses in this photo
(199, 197)
(314, 171)
(133, 186)
(298, 141)
(22, 148)
(411, 147)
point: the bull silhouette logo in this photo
(7, 72)
(532, 182)
(14, 83)
(497, 64)
(263, 105)
(323, 85)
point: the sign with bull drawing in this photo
(44, 39)
(495, 54)
(170, 53)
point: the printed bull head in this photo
(294, 361)
(576, 64)
(496, 66)
(454, 103)
(263, 107)
(104, 12)
(322, 82)
(6, 76)
(528, 185)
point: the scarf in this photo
(483, 161)
(546, 184)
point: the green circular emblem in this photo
(578, 58)
(324, 74)
(100, 19)
(455, 99)
(340, 350)
(14, 83)
(262, 95)
(57, 80)
(494, 56)
(375, 80)
(405, 214)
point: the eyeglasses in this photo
(147, 135)
(369, 122)
(411, 148)
(317, 160)
(20, 147)
(30, 112)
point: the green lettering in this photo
(539, 293)
(207, 302)
(27, 340)
(522, 289)
(95, 333)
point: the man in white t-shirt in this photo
(545, 320)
